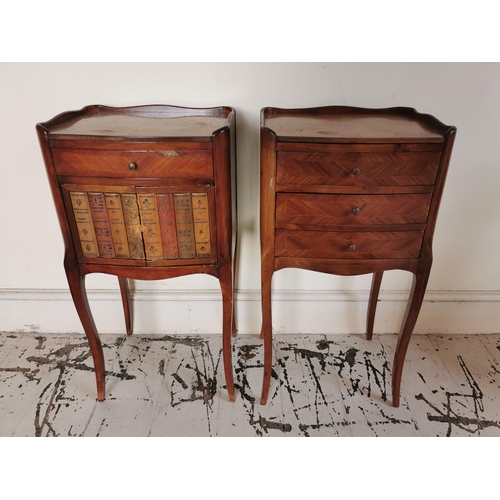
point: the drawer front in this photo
(133, 164)
(357, 169)
(348, 245)
(334, 210)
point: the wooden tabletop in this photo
(352, 125)
(152, 122)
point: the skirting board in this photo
(200, 312)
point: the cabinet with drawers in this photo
(144, 192)
(351, 191)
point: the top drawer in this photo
(357, 169)
(139, 164)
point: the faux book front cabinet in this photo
(144, 193)
(149, 193)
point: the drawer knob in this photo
(132, 166)
(352, 247)
(355, 211)
(355, 171)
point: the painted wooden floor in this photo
(336, 385)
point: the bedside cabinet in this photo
(145, 193)
(351, 191)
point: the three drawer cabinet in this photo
(147, 193)
(351, 191)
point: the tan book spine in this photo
(184, 224)
(168, 231)
(117, 225)
(133, 225)
(201, 224)
(150, 226)
(84, 223)
(101, 225)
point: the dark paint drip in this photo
(473, 424)
(178, 379)
(161, 368)
(41, 341)
(204, 386)
(267, 424)
(380, 377)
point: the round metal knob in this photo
(352, 247)
(132, 166)
(355, 211)
(355, 171)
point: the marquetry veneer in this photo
(351, 191)
(144, 192)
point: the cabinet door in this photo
(140, 225)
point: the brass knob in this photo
(355, 211)
(132, 166)
(352, 247)
(355, 171)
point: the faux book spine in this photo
(117, 225)
(101, 225)
(184, 223)
(168, 230)
(84, 223)
(201, 224)
(133, 225)
(150, 226)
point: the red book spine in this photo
(167, 226)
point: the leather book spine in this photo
(150, 226)
(184, 224)
(133, 225)
(84, 223)
(168, 230)
(201, 224)
(117, 225)
(101, 225)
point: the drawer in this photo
(357, 169)
(348, 245)
(333, 210)
(108, 163)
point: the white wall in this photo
(465, 281)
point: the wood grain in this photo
(347, 124)
(357, 169)
(105, 163)
(356, 210)
(348, 245)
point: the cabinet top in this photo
(139, 123)
(344, 124)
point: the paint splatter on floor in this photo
(337, 385)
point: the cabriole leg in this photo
(79, 294)
(266, 334)
(127, 306)
(417, 293)
(226, 284)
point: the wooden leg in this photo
(372, 304)
(79, 294)
(127, 308)
(417, 293)
(233, 326)
(226, 284)
(266, 334)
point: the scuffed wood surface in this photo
(335, 385)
